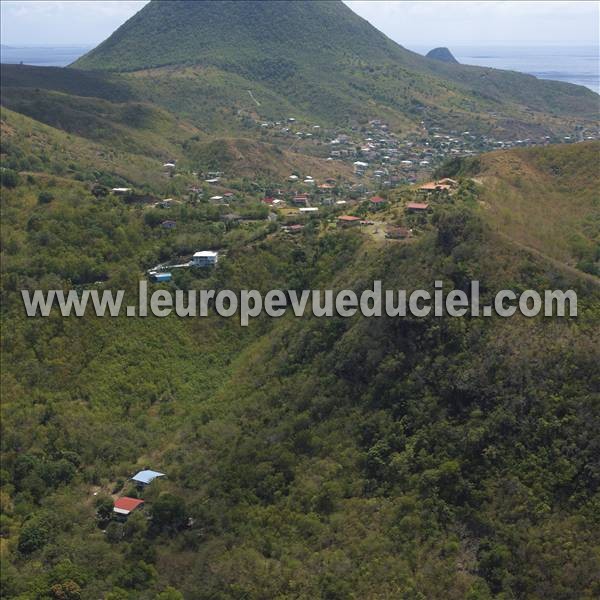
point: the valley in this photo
(333, 458)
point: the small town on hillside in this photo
(384, 186)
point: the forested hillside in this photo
(332, 458)
(313, 458)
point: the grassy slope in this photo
(249, 158)
(548, 199)
(372, 74)
(97, 106)
(113, 127)
(31, 146)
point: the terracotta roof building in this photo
(124, 506)
(417, 206)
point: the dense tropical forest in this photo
(316, 458)
(332, 458)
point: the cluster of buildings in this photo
(202, 259)
(125, 505)
(388, 160)
(377, 153)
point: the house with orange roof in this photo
(348, 221)
(417, 207)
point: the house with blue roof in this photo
(146, 476)
(161, 277)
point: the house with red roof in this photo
(417, 207)
(443, 185)
(377, 201)
(348, 221)
(125, 506)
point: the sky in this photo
(412, 24)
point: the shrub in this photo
(9, 178)
(45, 198)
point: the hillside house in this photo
(417, 207)
(123, 507)
(436, 186)
(447, 181)
(360, 167)
(348, 221)
(295, 228)
(161, 277)
(205, 258)
(377, 202)
(300, 200)
(326, 187)
(146, 477)
(168, 224)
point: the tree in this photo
(9, 178)
(104, 508)
(34, 535)
(68, 590)
(114, 532)
(135, 526)
(168, 513)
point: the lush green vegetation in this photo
(313, 458)
(329, 458)
(319, 60)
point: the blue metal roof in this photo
(162, 276)
(147, 476)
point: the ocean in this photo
(42, 56)
(574, 64)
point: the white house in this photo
(205, 258)
(359, 167)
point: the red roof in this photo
(128, 504)
(377, 199)
(348, 218)
(417, 206)
(435, 185)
